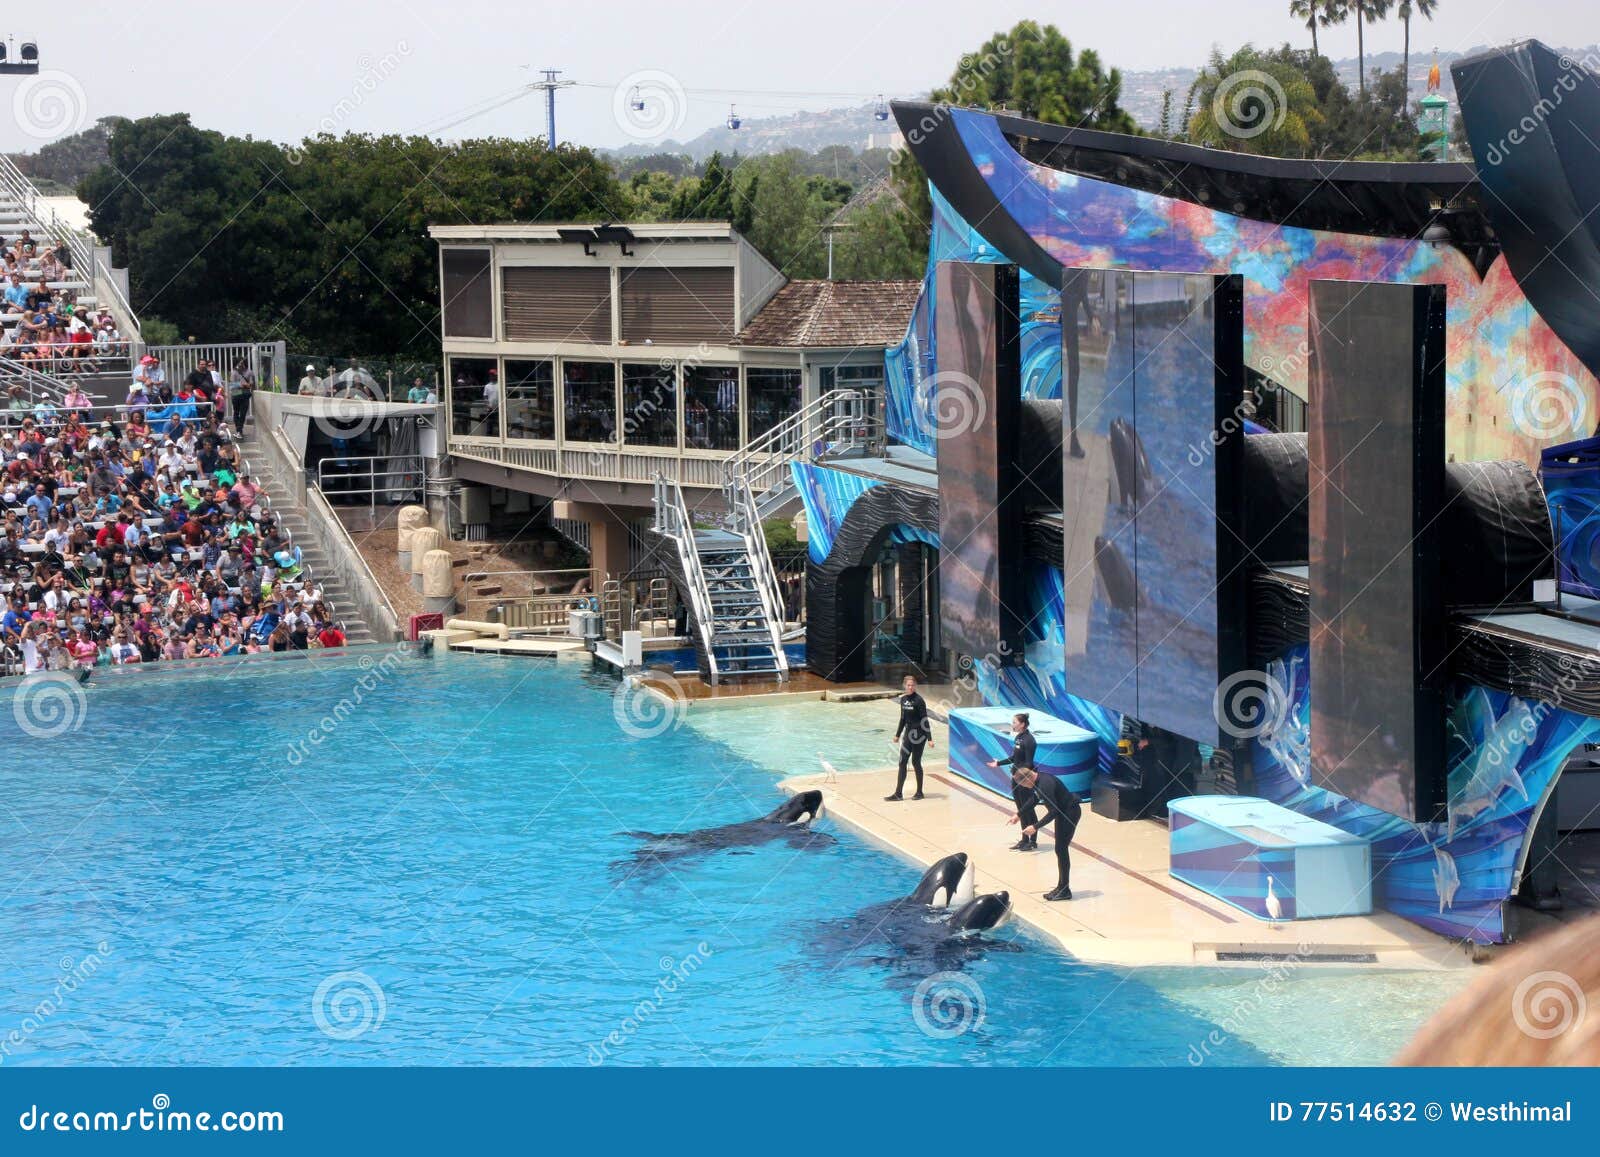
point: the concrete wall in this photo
(343, 557)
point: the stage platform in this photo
(1127, 910)
(899, 465)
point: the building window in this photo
(468, 293)
(530, 399)
(711, 407)
(772, 396)
(649, 404)
(474, 398)
(591, 400)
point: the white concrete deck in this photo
(1126, 909)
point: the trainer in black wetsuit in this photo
(1023, 746)
(913, 735)
(1061, 807)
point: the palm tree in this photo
(1406, 9)
(1320, 13)
(1249, 103)
(1366, 12)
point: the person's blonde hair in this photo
(1539, 1005)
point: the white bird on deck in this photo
(832, 775)
(1274, 905)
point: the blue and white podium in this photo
(979, 734)
(1257, 856)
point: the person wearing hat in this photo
(310, 385)
(150, 374)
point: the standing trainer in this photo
(1023, 745)
(1062, 808)
(913, 734)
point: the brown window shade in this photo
(677, 306)
(468, 299)
(557, 304)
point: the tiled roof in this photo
(834, 315)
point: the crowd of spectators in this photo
(41, 323)
(136, 534)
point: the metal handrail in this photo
(395, 475)
(833, 423)
(672, 521)
(16, 182)
(747, 523)
(36, 382)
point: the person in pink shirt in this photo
(245, 492)
(83, 649)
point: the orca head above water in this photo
(950, 883)
(982, 913)
(801, 808)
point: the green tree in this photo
(1031, 70)
(1254, 102)
(324, 243)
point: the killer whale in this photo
(938, 924)
(1129, 463)
(789, 821)
(1116, 575)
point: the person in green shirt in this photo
(418, 394)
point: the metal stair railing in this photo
(832, 423)
(672, 521)
(746, 522)
(29, 199)
(38, 384)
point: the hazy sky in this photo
(281, 70)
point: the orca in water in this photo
(1129, 463)
(1116, 575)
(939, 923)
(790, 821)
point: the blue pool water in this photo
(189, 879)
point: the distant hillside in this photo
(1141, 96)
(855, 128)
(58, 166)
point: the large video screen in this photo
(1152, 375)
(976, 417)
(1376, 443)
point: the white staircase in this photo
(23, 207)
(733, 590)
